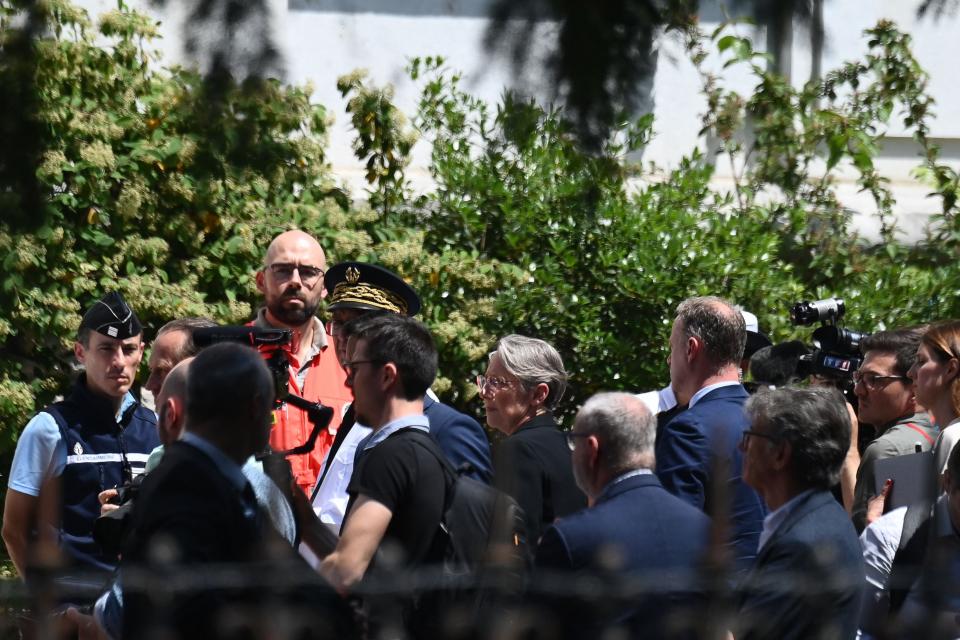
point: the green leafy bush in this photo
(152, 185)
(607, 248)
(168, 186)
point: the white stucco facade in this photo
(323, 39)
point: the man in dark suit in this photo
(696, 451)
(197, 516)
(809, 573)
(643, 543)
(461, 438)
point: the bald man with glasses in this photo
(291, 281)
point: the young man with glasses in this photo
(291, 281)
(362, 289)
(888, 403)
(398, 487)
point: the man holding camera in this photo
(97, 438)
(291, 281)
(887, 402)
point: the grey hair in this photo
(188, 326)
(814, 420)
(625, 428)
(716, 323)
(534, 361)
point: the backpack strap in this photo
(449, 473)
(919, 430)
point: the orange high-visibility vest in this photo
(325, 382)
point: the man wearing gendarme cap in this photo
(95, 439)
(358, 288)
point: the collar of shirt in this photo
(230, 469)
(707, 389)
(126, 403)
(418, 421)
(666, 399)
(775, 518)
(319, 332)
(624, 476)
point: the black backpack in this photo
(481, 527)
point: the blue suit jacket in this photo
(697, 448)
(461, 438)
(652, 535)
(808, 578)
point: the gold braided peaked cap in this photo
(360, 285)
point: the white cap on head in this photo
(751, 320)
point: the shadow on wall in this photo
(448, 8)
(710, 10)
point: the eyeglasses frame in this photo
(310, 282)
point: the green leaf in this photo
(838, 146)
(726, 42)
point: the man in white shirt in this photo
(912, 557)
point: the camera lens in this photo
(807, 312)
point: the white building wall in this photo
(323, 39)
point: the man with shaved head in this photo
(291, 281)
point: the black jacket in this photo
(200, 552)
(533, 466)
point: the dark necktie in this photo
(345, 425)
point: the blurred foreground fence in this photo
(289, 601)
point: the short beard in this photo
(292, 317)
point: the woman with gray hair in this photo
(524, 381)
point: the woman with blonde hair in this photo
(936, 378)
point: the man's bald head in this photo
(172, 403)
(175, 384)
(613, 433)
(291, 279)
(296, 242)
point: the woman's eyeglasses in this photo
(493, 384)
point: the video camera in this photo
(836, 352)
(270, 343)
(109, 529)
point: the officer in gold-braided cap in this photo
(356, 289)
(367, 287)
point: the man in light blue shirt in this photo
(98, 437)
(808, 576)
